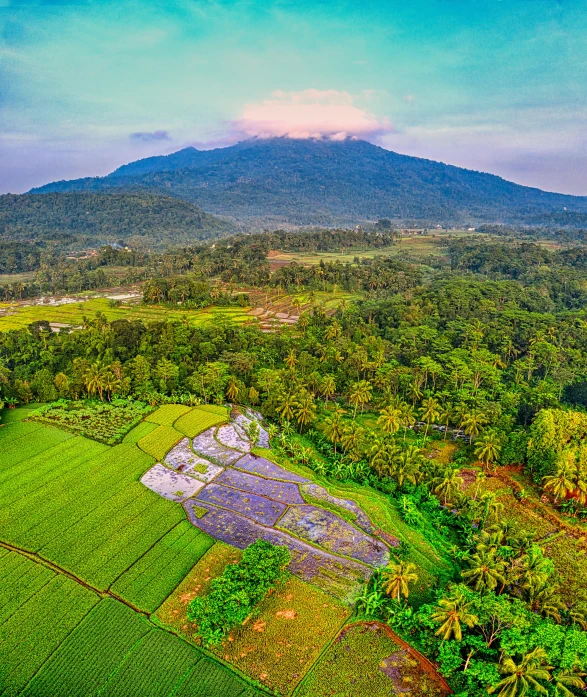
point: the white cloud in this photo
(310, 113)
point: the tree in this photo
(486, 571)
(452, 613)
(327, 387)
(390, 419)
(360, 394)
(352, 439)
(398, 577)
(94, 380)
(524, 676)
(406, 464)
(448, 484)
(333, 427)
(566, 679)
(232, 390)
(430, 412)
(472, 422)
(286, 405)
(562, 483)
(304, 409)
(446, 414)
(488, 447)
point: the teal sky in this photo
(494, 85)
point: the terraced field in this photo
(101, 550)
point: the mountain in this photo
(326, 182)
(88, 219)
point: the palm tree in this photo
(232, 389)
(327, 387)
(446, 413)
(291, 359)
(408, 418)
(390, 419)
(286, 405)
(398, 578)
(452, 612)
(333, 427)
(360, 394)
(352, 439)
(448, 484)
(94, 380)
(406, 465)
(488, 447)
(566, 679)
(472, 422)
(562, 483)
(430, 412)
(523, 676)
(381, 454)
(304, 409)
(486, 571)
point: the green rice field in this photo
(87, 553)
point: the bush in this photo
(234, 595)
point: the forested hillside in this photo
(322, 182)
(92, 219)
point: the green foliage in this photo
(235, 595)
(552, 431)
(106, 423)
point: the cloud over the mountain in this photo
(150, 136)
(310, 113)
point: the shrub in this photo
(234, 595)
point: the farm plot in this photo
(200, 419)
(364, 660)
(285, 492)
(28, 444)
(229, 436)
(42, 619)
(255, 464)
(154, 576)
(244, 421)
(140, 431)
(314, 492)
(206, 445)
(106, 423)
(84, 509)
(159, 441)
(257, 508)
(115, 651)
(168, 414)
(323, 527)
(183, 459)
(279, 645)
(170, 484)
(334, 574)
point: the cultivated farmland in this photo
(96, 567)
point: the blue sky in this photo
(494, 85)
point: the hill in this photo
(85, 218)
(322, 182)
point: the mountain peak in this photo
(271, 181)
